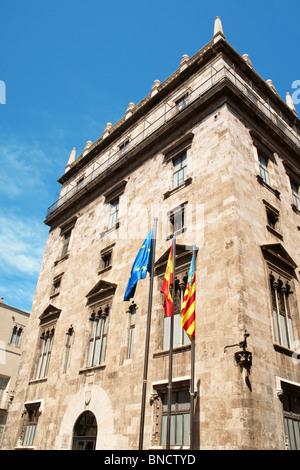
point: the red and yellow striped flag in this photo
(188, 304)
(168, 281)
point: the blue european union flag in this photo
(141, 265)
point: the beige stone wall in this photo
(226, 219)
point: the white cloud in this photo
(23, 167)
(21, 245)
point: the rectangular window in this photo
(124, 148)
(295, 192)
(180, 419)
(273, 224)
(66, 242)
(182, 102)
(107, 260)
(291, 410)
(283, 328)
(114, 213)
(46, 341)
(98, 340)
(179, 175)
(79, 184)
(65, 233)
(3, 384)
(56, 286)
(16, 335)
(263, 169)
(177, 219)
(272, 220)
(32, 416)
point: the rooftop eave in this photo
(223, 92)
(199, 60)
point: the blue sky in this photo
(70, 67)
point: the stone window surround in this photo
(160, 387)
(103, 254)
(64, 229)
(174, 151)
(274, 213)
(263, 147)
(110, 196)
(56, 279)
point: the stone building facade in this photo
(13, 324)
(213, 153)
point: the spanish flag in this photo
(188, 303)
(168, 281)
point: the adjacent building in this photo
(212, 152)
(12, 332)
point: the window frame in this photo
(177, 219)
(179, 387)
(114, 213)
(65, 239)
(79, 183)
(31, 413)
(280, 289)
(45, 350)
(15, 338)
(182, 102)
(272, 215)
(124, 147)
(98, 337)
(4, 381)
(180, 174)
(263, 167)
(288, 393)
(295, 194)
(66, 243)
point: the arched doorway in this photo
(85, 432)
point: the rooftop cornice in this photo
(192, 66)
(200, 59)
(224, 90)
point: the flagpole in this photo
(142, 420)
(171, 351)
(192, 395)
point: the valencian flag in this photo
(188, 303)
(141, 265)
(167, 283)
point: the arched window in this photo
(85, 432)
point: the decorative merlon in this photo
(218, 30)
(183, 63)
(271, 85)
(154, 88)
(107, 129)
(86, 148)
(247, 60)
(71, 159)
(290, 103)
(129, 110)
